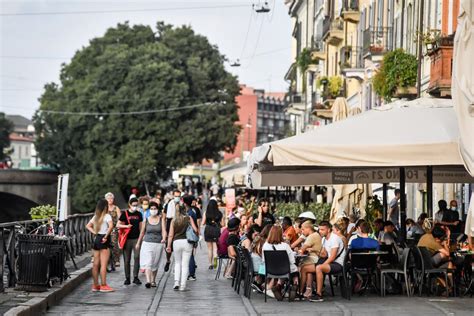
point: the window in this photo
(270, 123)
(259, 121)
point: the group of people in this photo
(322, 248)
(141, 232)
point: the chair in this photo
(345, 291)
(239, 268)
(277, 265)
(220, 262)
(401, 269)
(430, 270)
(249, 272)
(392, 258)
(363, 264)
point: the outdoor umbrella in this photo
(367, 148)
(463, 93)
(347, 196)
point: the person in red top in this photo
(289, 232)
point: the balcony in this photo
(352, 62)
(333, 31)
(377, 41)
(296, 103)
(318, 52)
(441, 68)
(350, 12)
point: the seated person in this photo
(356, 232)
(252, 232)
(413, 229)
(388, 237)
(331, 258)
(363, 241)
(275, 242)
(312, 246)
(289, 233)
(437, 243)
(231, 241)
(263, 217)
(300, 237)
(378, 224)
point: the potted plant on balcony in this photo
(397, 75)
(431, 39)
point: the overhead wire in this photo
(247, 34)
(131, 112)
(124, 10)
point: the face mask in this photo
(153, 212)
(177, 199)
(454, 208)
(145, 207)
(133, 208)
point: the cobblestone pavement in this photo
(210, 297)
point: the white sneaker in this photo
(270, 293)
(183, 289)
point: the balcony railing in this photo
(350, 11)
(326, 27)
(351, 57)
(351, 5)
(377, 40)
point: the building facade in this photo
(346, 41)
(22, 148)
(262, 119)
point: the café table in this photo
(368, 264)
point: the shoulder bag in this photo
(123, 233)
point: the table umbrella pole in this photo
(403, 205)
(429, 190)
(384, 200)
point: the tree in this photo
(132, 68)
(6, 127)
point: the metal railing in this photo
(377, 40)
(351, 5)
(79, 241)
(351, 57)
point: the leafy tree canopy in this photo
(133, 68)
(6, 127)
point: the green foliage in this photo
(373, 210)
(335, 86)
(133, 68)
(43, 212)
(304, 59)
(6, 127)
(320, 210)
(399, 70)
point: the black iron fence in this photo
(77, 241)
(377, 40)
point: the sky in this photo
(33, 45)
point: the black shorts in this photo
(334, 266)
(98, 244)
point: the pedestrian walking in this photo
(170, 210)
(114, 212)
(188, 201)
(151, 240)
(131, 219)
(101, 226)
(182, 249)
(213, 221)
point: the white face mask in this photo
(133, 209)
(153, 212)
(177, 199)
(454, 208)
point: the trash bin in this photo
(33, 262)
(57, 259)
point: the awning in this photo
(366, 148)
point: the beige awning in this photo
(463, 82)
(361, 149)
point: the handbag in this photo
(212, 231)
(123, 233)
(191, 236)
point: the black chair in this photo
(429, 271)
(390, 259)
(402, 268)
(364, 265)
(239, 269)
(343, 279)
(249, 272)
(277, 265)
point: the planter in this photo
(405, 92)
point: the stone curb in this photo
(39, 304)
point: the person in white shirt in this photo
(170, 211)
(101, 226)
(332, 257)
(275, 242)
